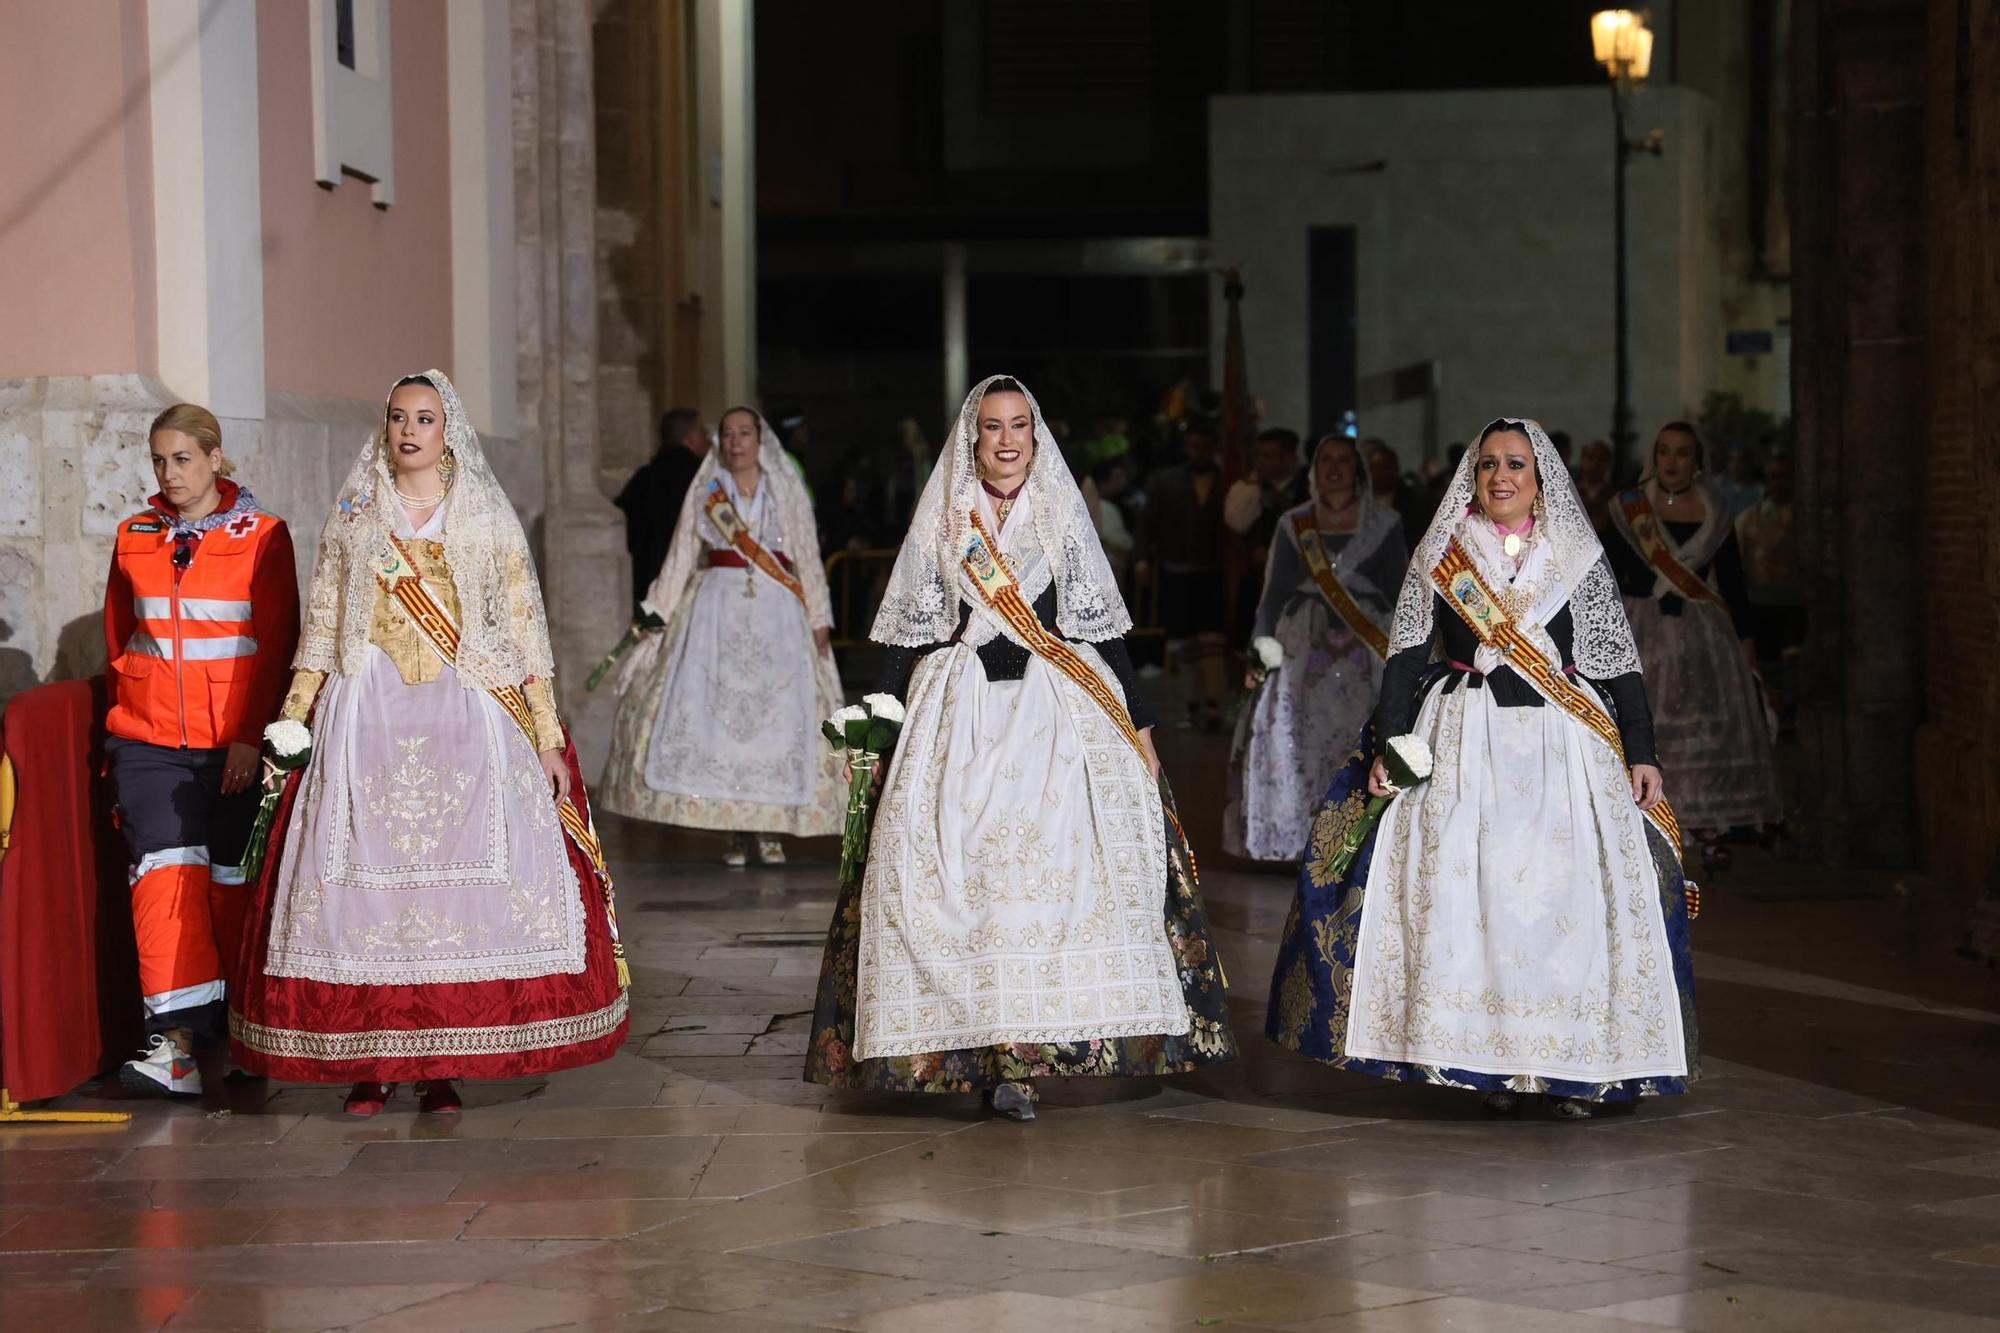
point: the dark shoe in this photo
(1012, 1100)
(1502, 1103)
(1572, 1108)
(367, 1099)
(438, 1097)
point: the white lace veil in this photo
(1373, 519)
(1603, 645)
(921, 604)
(795, 520)
(503, 629)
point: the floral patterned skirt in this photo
(1208, 1039)
(1312, 984)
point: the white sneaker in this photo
(770, 851)
(165, 1070)
(738, 853)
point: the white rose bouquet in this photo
(865, 733)
(1266, 655)
(1409, 763)
(287, 749)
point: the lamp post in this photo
(1623, 44)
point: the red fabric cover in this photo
(324, 1007)
(69, 975)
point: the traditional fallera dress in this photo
(1029, 906)
(426, 910)
(718, 727)
(1684, 592)
(1326, 600)
(1514, 924)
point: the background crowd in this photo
(1188, 529)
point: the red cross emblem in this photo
(242, 525)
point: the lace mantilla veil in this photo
(1603, 644)
(921, 604)
(503, 629)
(1373, 519)
(795, 520)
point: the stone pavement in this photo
(1838, 1169)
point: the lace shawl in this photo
(1373, 520)
(795, 520)
(503, 629)
(1603, 644)
(921, 604)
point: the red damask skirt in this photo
(309, 1031)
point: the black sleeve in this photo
(1396, 709)
(1635, 717)
(1729, 580)
(897, 664)
(1119, 659)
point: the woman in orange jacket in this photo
(201, 615)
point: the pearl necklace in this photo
(416, 502)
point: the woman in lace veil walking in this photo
(1516, 924)
(434, 904)
(1681, 572)
(719, 724)
(1335, 566)
(1029, 907)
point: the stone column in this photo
(1859, 377)
(580, 539)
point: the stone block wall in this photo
(73, 463)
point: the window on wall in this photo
(343, 22)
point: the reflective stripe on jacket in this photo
(200, 655)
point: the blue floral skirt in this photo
(1313, 982)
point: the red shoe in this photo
(365, 1099)
(438, 1097)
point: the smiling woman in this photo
(1029, 907)
(1518, 922)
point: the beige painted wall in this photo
(76, 234)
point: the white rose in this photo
(885, 706)
(1413, 755)
(851, 713)
(288, 739)
(1269, 652)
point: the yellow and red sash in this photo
(1458, 579)
(1330, 587)
(737, 533)
(1645, 524)
(404, 583)
(1002, 595)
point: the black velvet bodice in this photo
(1403, 671)
(1003, 659)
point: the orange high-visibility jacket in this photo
(200, 656)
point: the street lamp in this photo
(1623, 44)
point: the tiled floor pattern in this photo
(1838, 1169)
